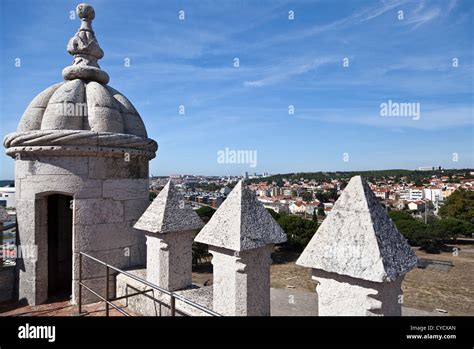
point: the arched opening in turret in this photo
(59, 223)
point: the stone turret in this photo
(240, 235)
(358, 257)
(171, 225)
(3, 218)
(81, 154)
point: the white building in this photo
(277, 207)
(416, 205)
(433, 194)
(412, 194)
(382, 193)
(225, 191)
(7, 196)
(297, 207)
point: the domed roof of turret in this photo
(83, 101)
(82, 110)
(82, 105)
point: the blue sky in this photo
(283, 62)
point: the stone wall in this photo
(7, 283)
(109, 195)
(156, 303)
(341, 295)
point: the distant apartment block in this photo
(275, 191)
(433, 194)
(7, 196)
(412, 194)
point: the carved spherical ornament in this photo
(85, 11)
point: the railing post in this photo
(173, 306)
(107, 290)
(80, 283)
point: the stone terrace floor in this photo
(302, 303)
(57, 307)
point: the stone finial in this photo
(359, 240)
(241, 223)
(86, 50)
(169, 213)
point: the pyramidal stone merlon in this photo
(241, 223)
(241, 235)
(169, 213)
(359, 240)
(170, 225)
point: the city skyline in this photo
(306, 95)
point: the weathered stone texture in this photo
(99, 237)
(98, 211)
(358, 257)
(169, 260)
(134, 209)
(125, 257)
(125, 189)
(118, 167)
(340, 295)
(169, 213)
(51, 165)
(358, 239)
(84, 139)
(145, 306)
(78, 186)
(171, 225)
(7, 279)
(241, 284)
(241, 223)
(241, 234)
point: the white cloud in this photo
(433, 117)
(286, 70)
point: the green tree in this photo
(152, 195)
(321, 212)
(433, 237)
(307, 196)
(205, 212)
(459, 205)
(413, 230)
(450, 228)
(201, 251)
(298, 230)
(315, 216)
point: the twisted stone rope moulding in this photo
(79, 142)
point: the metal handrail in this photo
(108, 301)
